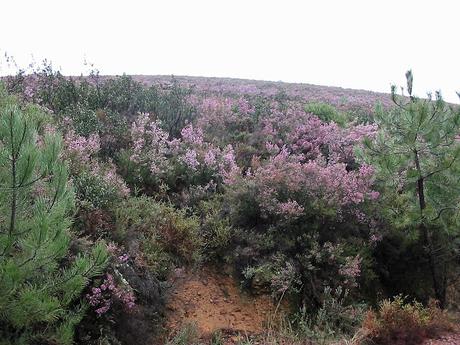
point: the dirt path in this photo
(215, 302)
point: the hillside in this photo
(345, 99)
(188, 210)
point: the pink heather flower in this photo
(80, 149)
(190, 159)
(174, 146)
(192, 135)
(375, 238)
(149, 144)
(244, 107)
(374, 195)
(102, 297)
(112, 178)
(104, 308)
(228, 168)
(360, 217)
(272, 149)
(290, 209)
(210, 158)
(351, 270)
(123, 258)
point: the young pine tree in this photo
(40, 283)
(417, 158)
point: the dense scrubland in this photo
(341, 205)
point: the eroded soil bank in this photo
(214, 301)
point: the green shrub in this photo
(327, 113)
(216, 230)
(333, 320)
(93, 191)
(168, 236)
(84, 119)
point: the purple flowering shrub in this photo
(112, 290)
(102, 297)
(98, 183)
(154, 160)
(300, 199)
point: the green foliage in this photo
(418, 143)
(216, 338)
(216, 230)
(173, 109)
(39, 294)
(82, 98)
(93, 191)
(327, 113)
(167, 236)
(333, 320)
(84, 119)
(417, 159)
(188, 335)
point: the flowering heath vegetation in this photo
(302, 190)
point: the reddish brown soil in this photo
(213, 301)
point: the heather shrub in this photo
(146, 163)
(400, 322)
(93, 191)
(113, 131)
(308, 208)
(154, 160)
(216, 230)
(222, 119)
(121, 94)
(85, 120)
(166, 236)
(112, 291)
(178, 234)
(83, 97)
(94, 222)
(97, 183)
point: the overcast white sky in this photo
(365, 44)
